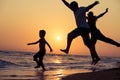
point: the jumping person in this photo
(82, 26)
(97, 35)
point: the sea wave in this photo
(54, 61)
(4, 64)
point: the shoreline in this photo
(109, 74)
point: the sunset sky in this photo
(21, 20)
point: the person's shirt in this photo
(92, 22)
(42, 44)
(80, 17)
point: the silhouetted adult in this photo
(82, 26)
(97, 35)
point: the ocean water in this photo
(20, 65)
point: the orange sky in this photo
(21, 20)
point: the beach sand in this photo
(111, 74)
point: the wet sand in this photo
(32, 74)
(111, 74)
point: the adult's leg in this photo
(85, 37)
(94, 55)
(91, 45)
(106, 39)
(73, 34)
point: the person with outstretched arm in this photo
(38, 57)
(82, 26)
(97, 35)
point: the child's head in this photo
(42, 33)
(74, 5)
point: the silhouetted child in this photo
(38, 57)
(97, 35)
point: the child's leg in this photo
(41, 62)
(35, 59)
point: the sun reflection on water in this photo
(57, 61)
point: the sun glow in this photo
(58, 38)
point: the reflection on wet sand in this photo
(37, 74)
(56, 74)
(49, 75)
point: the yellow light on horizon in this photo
(58, 38)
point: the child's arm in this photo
(92, 5)
(49, 46)
(33, 43)
(102, 13)
(66, 3)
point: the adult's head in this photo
(74, 6)
(90, 14)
